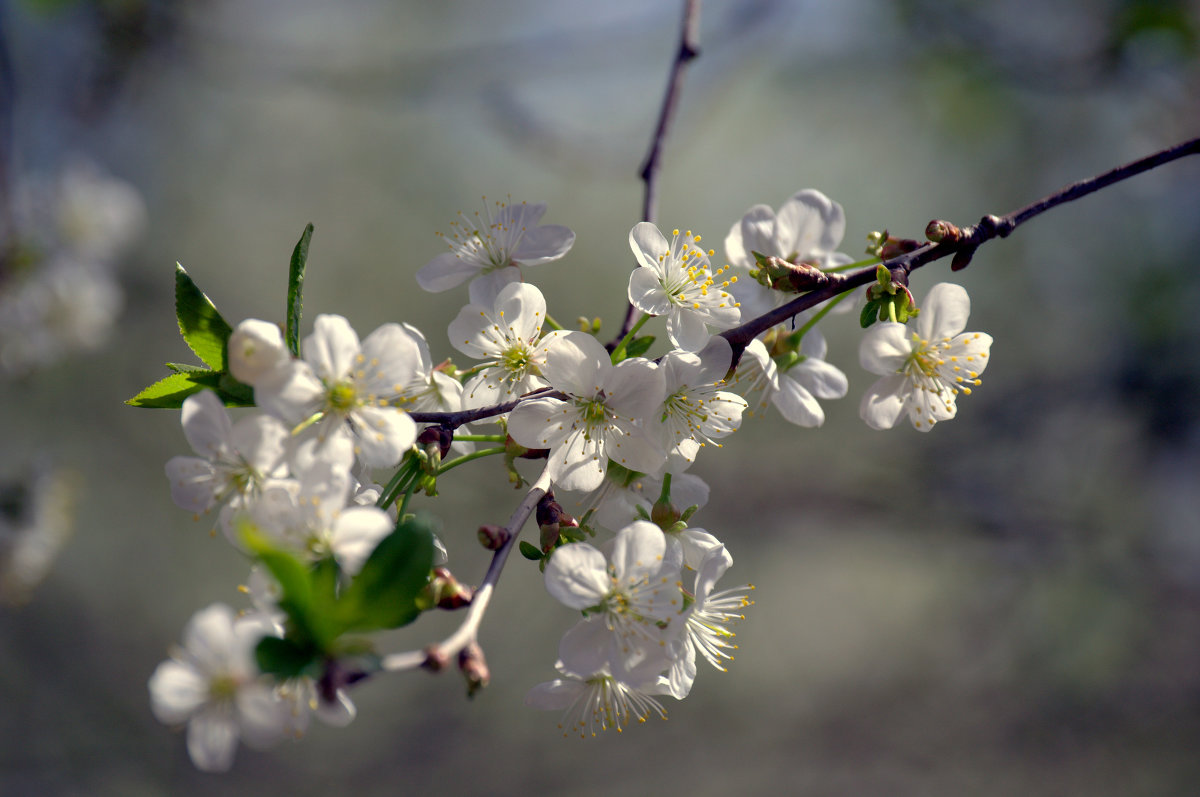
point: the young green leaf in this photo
(169, 392)
(202, 327)
(284, 658)
(383, 594)
(531, 551)
(639, 346)
(295, 294)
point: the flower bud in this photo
(255, 349)
(551, 519)
(493, 537)
(436, 659)
(962, 258)
(939, 231)
(436, 438)
(474, 668)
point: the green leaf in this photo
(531, 551)
(202, 327)
(169, 392)
(868, 315)
(283, 658)
(639, 346)
(295, 297)
(383, 594)
(307, 622)
(186, 368)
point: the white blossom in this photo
(490, 248)
(594, 694)
(793, 392)
(213, 684)
(346, 389)
(697, 411)
(507, 336)
(924, 369)
(676, 280)
(599, 420)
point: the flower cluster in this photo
(291, 482)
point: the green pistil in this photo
(595, 413)
(222, 688)
(342, 397)
(516, 360)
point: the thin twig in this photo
(469, 628)
(689, 48)
(969, 239)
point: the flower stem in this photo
(552, 323)
(478, 438)
(465, 458)
(618, 353)
(795, 338)
(404, 473)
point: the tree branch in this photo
(689, 48)
(964, 242)
(468, 630)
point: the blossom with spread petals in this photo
(213, 684)
(594, 694)
(794, 392)
(344, 388)
(490, 248)
(696, 410)
(924, 369)
(807, 228)
(599, 420)
(675, 279)
(507, 336)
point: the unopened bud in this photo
(474, 668)
(551, 518)
(436, 659)
(436, 438)
(939, 231)
(493, 537)
(444, 591)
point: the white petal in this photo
(523, 309)
(540, 423)
(487, 286)
(290, 392)
(263, 715)
(648, 245)
(577, 575)
(193, 483)
(357, 531)
(882, 403)
(554, 695)
(579, 463)
(810, 222)
(797, 405)
(543, 244)
(823, 380)
(212, 737)
(445, 271)
(635, 387)
(338, 714)
(646, 292)
(383, 434)
(176, 692)
(944, 313)
(332, 347)
(577, 363)
(758, 235)
(206, 425)
(884, 348)
(209, 639)
(686, 329)
(638, 551)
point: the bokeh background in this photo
(1007, 605)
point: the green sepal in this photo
(284, 658)
(639, 346)
(384, 593)
(869, 314)
(202, 327)
(531, 551)
(295, 294)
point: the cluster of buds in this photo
(787, 276)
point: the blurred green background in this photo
(1007, 605)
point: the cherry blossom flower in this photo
(491, 248)
(793, 392)
(347, 389)
(507, 336)
(808, 228)
(706, 623)
(676, 280)
(599, 420)
(696, 411)
(235, 461)
(926, 368)
(213, 684)
(315, 515)
(634, 592)
(595, 695)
